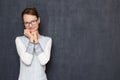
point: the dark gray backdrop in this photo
(85, 33)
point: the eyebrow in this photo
(30, 21)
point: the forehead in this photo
(28, 17)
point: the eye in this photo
(34, 21)
(26, 23)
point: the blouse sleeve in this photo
(24, 53)
(44, 54)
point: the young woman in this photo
(33, 48)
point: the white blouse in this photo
(33, 57)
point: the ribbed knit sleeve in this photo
(44, 56)
(30, 48)
(25, 56)
(38, 49)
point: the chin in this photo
(33, 30)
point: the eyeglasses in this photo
(33, 22)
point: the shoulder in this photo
(46, 38)
(19, 38)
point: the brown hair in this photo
(31, 11)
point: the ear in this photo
(38, 20)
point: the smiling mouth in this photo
(31, 28)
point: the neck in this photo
(38, 34)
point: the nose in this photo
(30, 25)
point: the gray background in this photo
(85, 37)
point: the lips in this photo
(31, 28)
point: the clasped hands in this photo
(32, 35)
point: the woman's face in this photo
(31, 22)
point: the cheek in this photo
(36, 26)
(25, 27)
